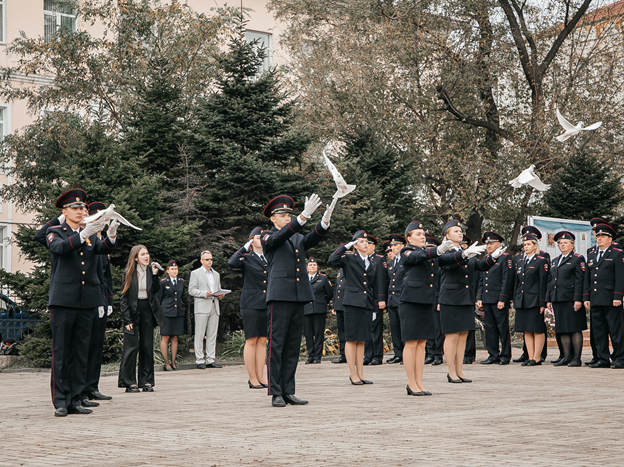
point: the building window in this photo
(264, 40)
(2, 20)
(4, 246)
(57, 14)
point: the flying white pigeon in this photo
(342, 188)
(571, 130)
(108, 214)
(528, 177)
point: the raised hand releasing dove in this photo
(108, 214)
(528, 177)
(342, 188)
(571, 130)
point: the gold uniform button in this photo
(555, 286)
(297, 269)
(466, 286)
(466, 266)
(175, 306)
(176, 299)
(392, 293)
(84, 272)
(365, 291)
(364, 283)
(264, 291)
(486, 291)
(82, 282)
(264, 282)
(83, 263)
(265, 272)
(297, 279)
(431, 275)
(81, 253)
(594, 290)
(296, 251)
(297, 259)
(466, 277)
(430, 285)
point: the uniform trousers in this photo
(373, 346)
(285, 323)
(96, 347)
(434, 346)
(206, 327)
(141, 342)
(71, 331)
(314, 331)
(471, 347)
(496, 324)
(341, 330)
(395, 331)
(607, 322)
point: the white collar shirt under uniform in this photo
(211, 281)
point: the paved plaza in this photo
(509, 415)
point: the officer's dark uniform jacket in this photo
(171, 296)
(360, 283)
(396, 272)
(285, 252)
(255, 278)
(338, 291)
(530, 281)
(130, 300)
(419, 282)
(495, 283)
(382, 278)
(323, 293)
(74, 281)
(567, 279)
(457, 277)
(604, 280)
(40, 235)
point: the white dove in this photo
(342, 188)
(571, 130)
(528, 177)
(108, 214)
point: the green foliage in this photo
(37, 347)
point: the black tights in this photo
(572, 342)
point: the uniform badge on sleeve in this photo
(545, 266)
(408, 252)
(266, 237)
(583, 265)
(509, 265)
(50, 237)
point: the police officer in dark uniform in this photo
(75, 295)
(493, 299)
(603, 291)
(470, 354)
(434, 348)
(338, 311)
(315, 312)
(171, 299)
(395, 281)
(387, 248)
(373, 348)
(289, 289)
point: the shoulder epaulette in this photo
(321, 274)
(163, 280)
(540, 257)
(577, 255)
(517, 254)
(181, 280)
(617, 249)
(56, 226)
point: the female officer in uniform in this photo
(315, 312)
(529, 297)
(170, 297)
(253, 306)
(417, 300)
(360, 300)
(565, 297)
(457, 298)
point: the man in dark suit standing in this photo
(289, 289)
(395, 281)
(373, 348)
(315, 312)
(75, 296)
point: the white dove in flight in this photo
(108, 214)
(571, 130)
(528, 177)
(342, 188)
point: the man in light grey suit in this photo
(203, 284)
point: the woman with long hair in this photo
(141, 312)
(171, 299)
(253, 306)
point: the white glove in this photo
(445, 246)
(499, 251)
(329, 211)
(110, 310)
(61, 218)
(311, 204)
(92, 228)
(112, 228)
(474, 250)
(350, 244)
(248, 244)
(101, 311)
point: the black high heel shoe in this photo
(412, 393)
(264, 385)
(464, 380)
(174, 367)
(253, 386)
(357, 383)
(451, 380)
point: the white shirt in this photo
(142, 280)
(211, 281)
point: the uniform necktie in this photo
(263, 258)
(600, 253)
(561, 260)
(174, 282)
(366, 263)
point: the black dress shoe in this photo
(60, 412)
(600, 364)
(556, 361)
(376, 361)
(451, 380)
(617, 366)
(533, 363)
(309, 360)
(132, 388)
(294, 400)
(316, 361)
(366, 362)
(523, 358)
(88, 403)
(278, 401)
(468, 361)
(340, 359)
(254, 386)
(428, 360)
(503, 362)
(437, 361)
(562, 362)
(168, 369)
(174, 366)
(575, 362)
(465, 380)
(148, 388)
(98, 396)
(79, 409)
(591, 362)
(427, 393)
(526, 362)
(414, 393)
(394, 359)
(213, 365)
(490, 361)
(201, 366)
(365, 381)
(356, 383)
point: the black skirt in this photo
(173, 327)
(568, 320)
(457, 318)
(417, 321)
(254, 322)
(530, 320)
(358, 323)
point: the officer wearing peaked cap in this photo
(171, 299)
(288, 289)
(75, 296)
(395, 281)
(373, 348)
